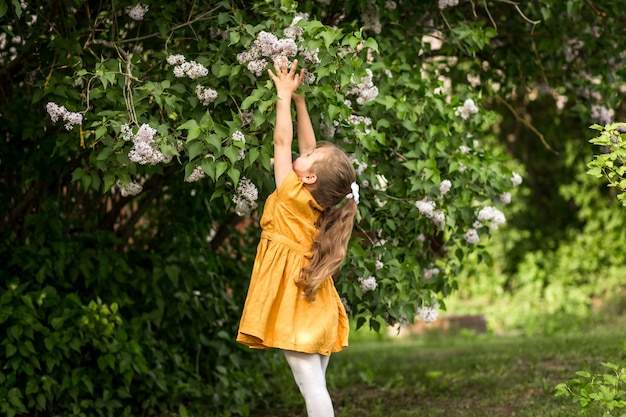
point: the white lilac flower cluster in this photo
(443, 4)
(267, 45)
(445, 186)
(246, 117)
(217, 33)
(365, 90)
(126, 132)
(572, 49)
(138, 11)
(429, 209)
(246, 197)
(379, 265)
(358, 120)
(293, 31)
(602, 114)
(145, 150)
(471, 236)
(267, 48)
(371, 17)
(329, 130)
(70, 118)
(133, 188)
(346, 306)
(196, 175)
(238, 136)
(182, 67)
(390, 5)
(517, 179)
(361, 166)
(430, 274)
(467, 109)
(368, 284)
(205, 95)
(491, 216)
(429, 313)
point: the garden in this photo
(136, 156)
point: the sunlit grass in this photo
(463, 375)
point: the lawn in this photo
(465, 375)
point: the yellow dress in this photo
(276, 313)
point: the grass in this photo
(466, 375)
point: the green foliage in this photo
(559, 281)
(611, 164)
(61, 356)
(604, 391)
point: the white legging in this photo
(309, 372)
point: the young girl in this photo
(292, 303)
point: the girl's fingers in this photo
(284, 73)
(301, 79)
(293, 67)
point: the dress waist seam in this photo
(284, 240)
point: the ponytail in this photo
(334, 178)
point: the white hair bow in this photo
(355, 192)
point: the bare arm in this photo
(306, 135)
(286, 82)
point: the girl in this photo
(292, 303)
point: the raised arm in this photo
(286, 82)
(306, 136)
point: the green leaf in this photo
(105, 154)
(248, 101)
(109, 180)
(234, 37)
(253, 155)
(17, 7)
(41, 401)
(234, 174)
(328, 36)
(195, 149)
(193, 133)
(78, 174)
(100, 131)
(371, 43)
(15, 398)
(173, 271)
(189, 124)
(232, 152)
(31, 387)
(10, 350)
(597, 127)
(208, 166)
(220, 169)
(595, 172)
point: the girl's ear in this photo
(309, 179)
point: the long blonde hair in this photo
(335, 174)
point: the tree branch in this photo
(527, 124)
(224, 231)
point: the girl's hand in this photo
(286, 81)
